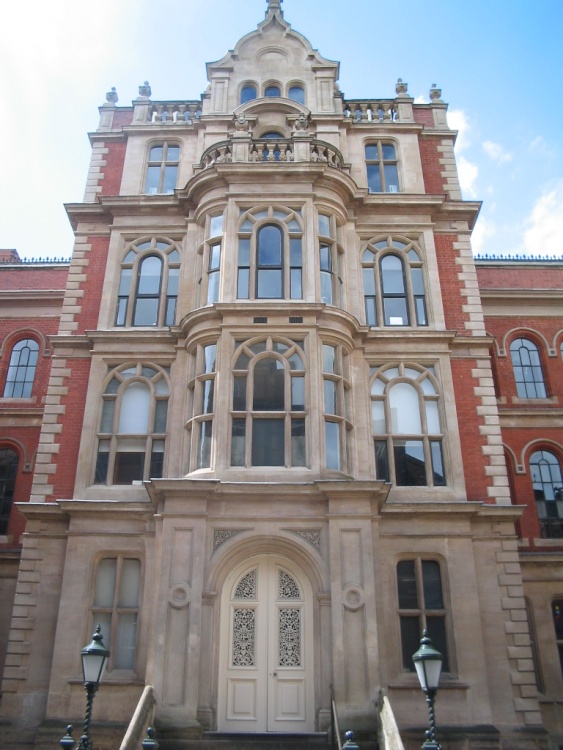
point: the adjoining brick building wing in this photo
(273, 419)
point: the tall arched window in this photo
(528, 373)
(132, 430)
(393, 279)
(407, 426)
(8, 473)
(148, 288)
(268, 407)
(270, 256)
(547, 482)
(21, 371)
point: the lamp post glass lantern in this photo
(428, 664)
(94, 660)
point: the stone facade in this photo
(273, 362)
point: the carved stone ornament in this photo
(145, 90)
(222, 535)
(111, 96)
(241, 123)
(313, 537)
(435, 93)
(301, 123)
(401, 88)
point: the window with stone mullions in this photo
(421, 605)
(336, 388)
(329, 262)
(202, 389)
(528, 371)
(21, 370)
(382, 167)
(162, 169)
(215, 234)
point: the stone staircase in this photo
(172, 740)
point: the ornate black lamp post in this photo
(94, 660)
(428, 664)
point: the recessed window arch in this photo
(272, 90)
(527, 368)
(9, 461)
(296, 93)
(382, 167)
(393, 280)
(133, 424)
(268, 414)
(407, 425)
(547, 481)
(248, 92)
(162, 168)
(21, 370)
(270, 254)
(148, 287)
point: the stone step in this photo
(234, 741)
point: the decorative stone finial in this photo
(111, 96)
(435, 93)
(400, 87)
(274, 5)
(145, 90)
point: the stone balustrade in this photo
(272, 150)
(366, 110)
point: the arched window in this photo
(148, 289)
(382, 167)
(297, 94)
(132, 430)
(247, 93)
(407, 426)
(394, 293)
(162, 168)
(8, 473)
(115, 608)
(527, 367)
(547, 482)
(421, 606)
(270, 256)
(268, 408)
(21, 371)
(272, 91)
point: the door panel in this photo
(266, 680)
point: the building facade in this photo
(289, 423)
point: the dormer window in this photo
(247, 93)
(272, 92)
(297, 94)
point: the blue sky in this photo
(498, 63)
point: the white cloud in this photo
(468, 173)
(544, 233)
(496, 152)
(483, 229)
(457, 120)
(421, 99)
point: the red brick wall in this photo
(523, 277)
(113, 170)
(450, 283)
(472, 441)
(424, 116)
(87, 319)
(22, 277)
(431, 167)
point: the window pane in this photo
(107, 416)
(153, 177)
(329, 358)
(146, 312)
(298, 457)
(216, 226)
(371, 311)
(432, 418)
(242, 284)
(420, 305)
(204, 446)
(269, 377)
(160, 414)
(432, 583)
(395, 310)
(369, 281)
(298, 394)
(392, 275)
(270, 246)
(332, 443)
(296, 284)
(372, 152)
(297, 94)
(268, 442)
(124, 657)
(247, 94)
(129, 467)
(324, 225)
(134, 411)
(330, 396)
(439, 476)
(125, 282)
(326, 287)
(388, 151)
(169, 179)
(378, 417)
(156, 153)
(410, 470)
(214, 257)
(105, 582)
(272, 91)
(411, 633)
(406, 585)
(382, 460)
(239, 393)
(244, 251)
(417, 281)
(238, 442)
(437, 631)
(121, 311)
(149, 275)
(209, 355)
(213, 288)
(157, 459)
(405, 410)
(374, 178)
(391, 178)
(270, 284)
(102, 462)
(130, 583)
